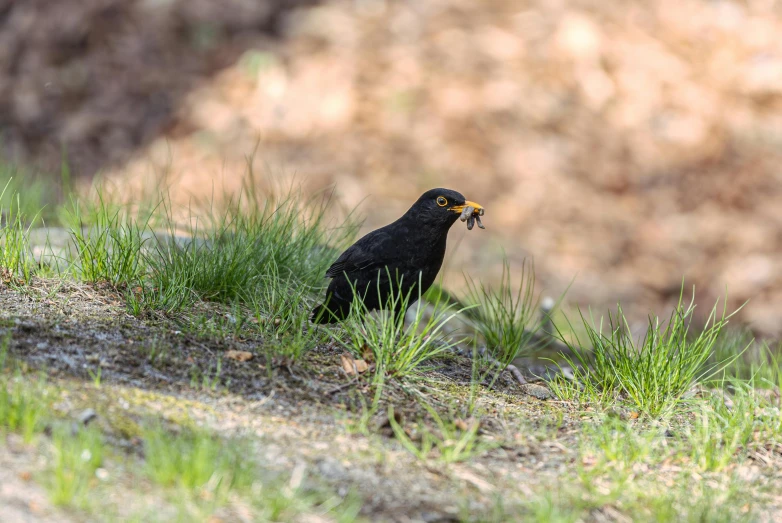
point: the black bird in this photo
(405, 251)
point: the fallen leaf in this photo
(352, 366)
(239, 355)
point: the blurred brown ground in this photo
(625, 144)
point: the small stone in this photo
(87, 416)
(536, 391)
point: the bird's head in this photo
(439, 208)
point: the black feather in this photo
(409, 250)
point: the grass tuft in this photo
(110, 247)
(16, 257)
(397, 349)
(280, 307)
(236, 252)
(506, 317)
(652, 373)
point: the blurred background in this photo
(624, 146)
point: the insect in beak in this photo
(472, 215)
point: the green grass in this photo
(212, 471)
(730, 422)
(16, 257)
(652, 373)
(23, 401)
(234, 253)
(109, 245)
(206, 378)
(396, 348)
(197, 470)
(156, 350)
(261, 256)
(445, 443)
(74, 456)
(228, 249)
(507, 317)
(635, 467)
(196, 460)
(280, 307)
(75, 460)
(33, 194)
(23, 406)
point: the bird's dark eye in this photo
(441, 201)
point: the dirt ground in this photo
(308, 417)
(299, 415)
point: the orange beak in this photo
(459, 208)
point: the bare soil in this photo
(301, 413)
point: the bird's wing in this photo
(361, 255)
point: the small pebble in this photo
(536, 391)
(87, 416)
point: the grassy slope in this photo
(550, 459)
(140, 333)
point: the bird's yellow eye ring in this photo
(441, 201)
